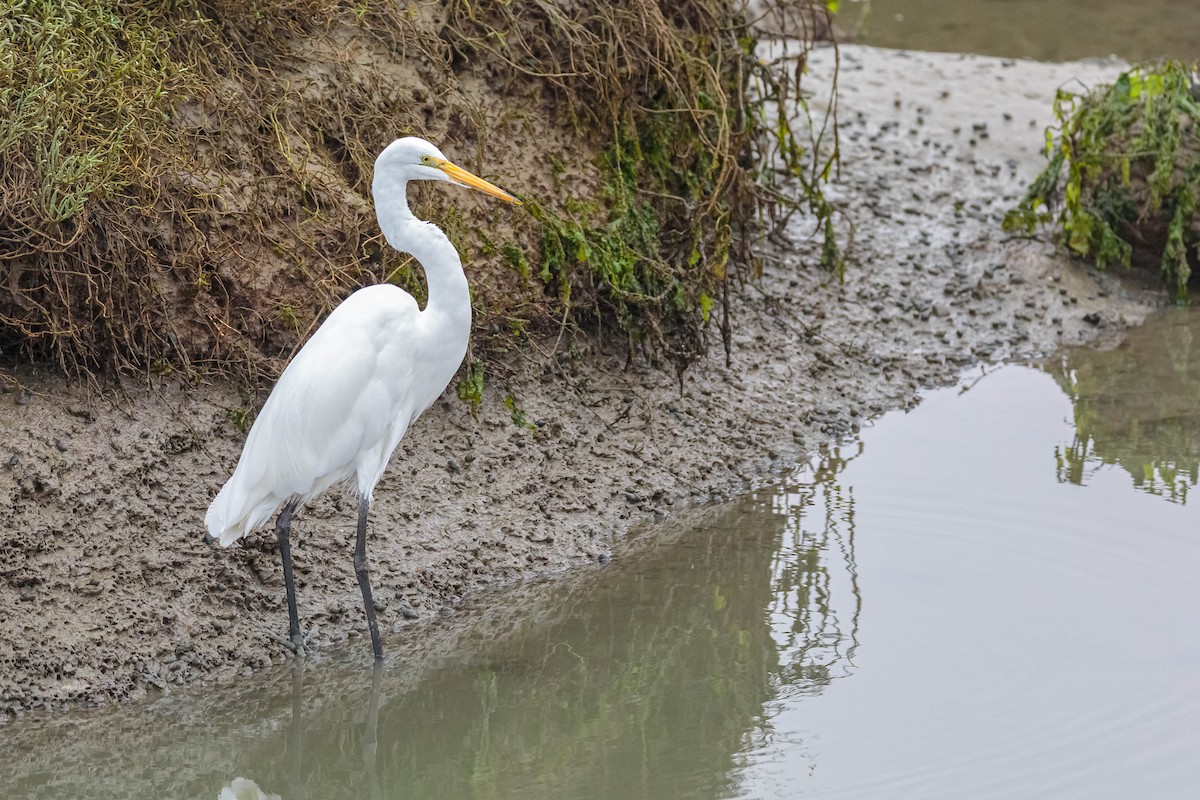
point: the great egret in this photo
(344, 402)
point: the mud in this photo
(108, 592)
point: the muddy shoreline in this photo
(108, 592)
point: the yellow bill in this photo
(464, 178)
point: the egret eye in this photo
(426, 159)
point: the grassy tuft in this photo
(85, 92)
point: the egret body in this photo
(344, 402)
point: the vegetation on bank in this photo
(1123, 182)
(187, 183)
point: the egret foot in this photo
(295, 645)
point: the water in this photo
(994, 595)
(1047, 30)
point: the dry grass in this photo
(186, 184)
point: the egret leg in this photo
(364, 583)
(283, 528)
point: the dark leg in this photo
(360, 570)
(283, 527)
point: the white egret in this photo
(344, 402)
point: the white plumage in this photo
(344, 402)
(338, 410)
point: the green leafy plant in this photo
(242, 419)
(1123, 179)
(470, 387)
(516, 413)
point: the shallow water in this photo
(994, 595)
(1046, 30)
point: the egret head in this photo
(414, 159)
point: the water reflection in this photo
(1137, 406)
(816, 605)
(244, 789)
(645, 679)
(1020, 638)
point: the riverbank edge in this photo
(109, 593)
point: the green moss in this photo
(614, 239)
(635, 258)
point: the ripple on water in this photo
(1019, 637)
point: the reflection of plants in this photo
(1137, 406)
(815, 578)
(650, 677)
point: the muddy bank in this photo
(107, 590)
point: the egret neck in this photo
(448, 308)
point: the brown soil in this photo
(108, 592)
